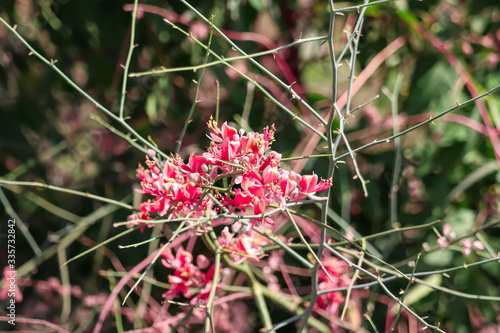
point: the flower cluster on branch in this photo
(256, 182)
(238, 173)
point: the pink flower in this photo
(228, 150)
(181, 260)
(10, 287)
(241, 248)
(338, 271)
(242, 200)
(309, 185)
(219, 135)
(259, 207)
(188, 279)
(477, 245)
(468, 247)
(270, 175)
(450, 235)
(442, 242)
(176, 188)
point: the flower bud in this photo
(236, 226)
(202, 262)
(477, 245)
(446, 229)
(442, 242)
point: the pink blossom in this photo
(10, 287)
(338, 271)
(477, 245)
(188, 279)
(442, 242)
(176, 188)
(309, 185)
(241, 248)
(219, 135)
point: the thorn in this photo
(31, 53)
(14, 27)
(195, 81)
(122, 66)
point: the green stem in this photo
(209, 323)
(259, 86)
(225, 60)
(307, 245)
(24, 229)
(129, 57)
(197, 90)
(393, 97)
(65, 190)
(430, 120)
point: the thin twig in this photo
(196, 91)
(127, 62)
(65, 190)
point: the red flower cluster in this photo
(177, 187)
(338, 271)
(188, 276)
(178, 190)
(243, 246)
